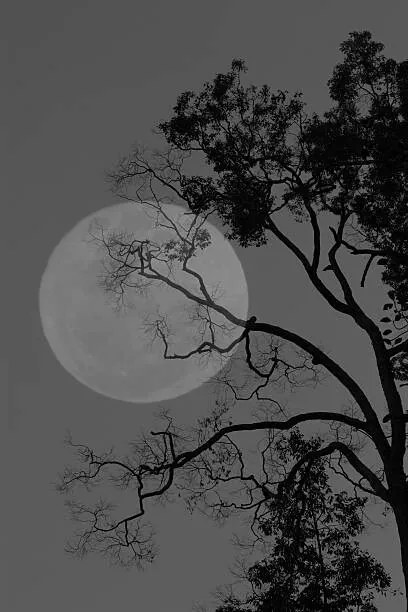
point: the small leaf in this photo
(391, 294)
(382, 262)
(397, 340)
(385, 320)
(398, 317)
(387, 306)
(387, 332)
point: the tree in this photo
(314, 562)
(266, 157)
(361, 147)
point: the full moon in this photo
(117, 351)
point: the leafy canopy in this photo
(315, 562)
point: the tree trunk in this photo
(322, 572)
(400, 507)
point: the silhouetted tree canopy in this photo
(353, 160)
(361, 148)
(315, 563)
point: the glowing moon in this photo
(113, 352)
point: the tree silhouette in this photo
(314, 563)
(266, 158)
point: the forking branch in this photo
(127, 257)
(137, 265)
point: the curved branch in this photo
(398, 348)
(352, 458)
(367, 267)
(338, 372)
(187, 456)
(374, 252)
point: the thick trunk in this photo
(400, 507)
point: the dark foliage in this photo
(315, 563)
(243, 134)
(361, 148)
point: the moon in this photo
(116, 352)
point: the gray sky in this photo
(87, 79)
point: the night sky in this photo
(87, 80)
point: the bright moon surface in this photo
(114, 352)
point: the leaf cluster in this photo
(360, 148)
(315, 562)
